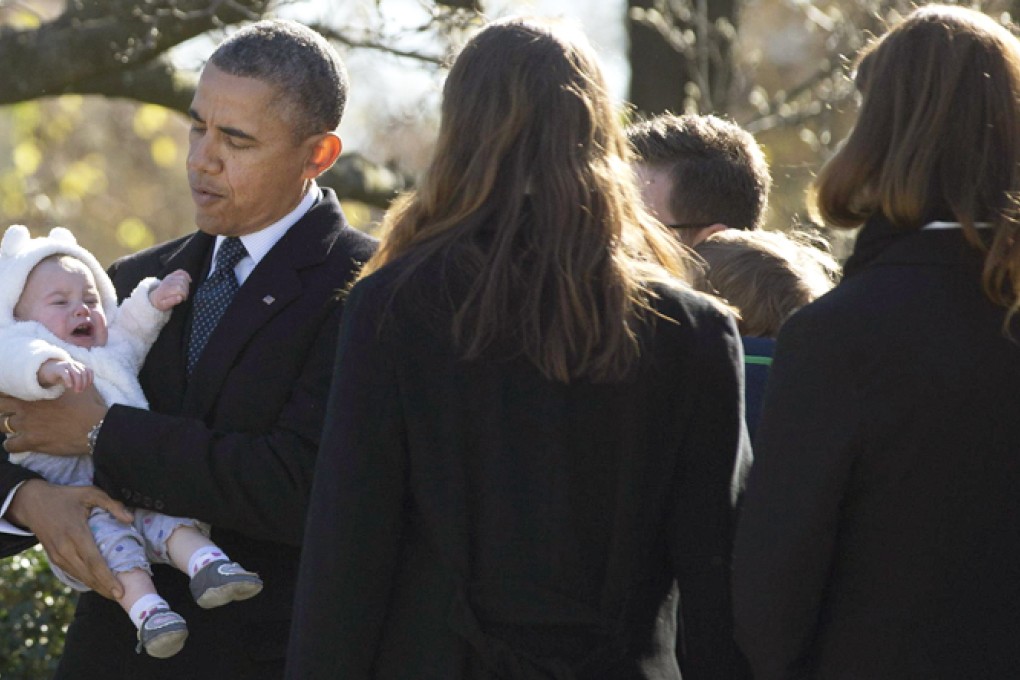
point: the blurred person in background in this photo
(700, 174)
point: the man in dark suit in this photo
(235, 421)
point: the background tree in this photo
(778, 67)
(681, 54)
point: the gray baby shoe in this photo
(220, 582)
(162, 634)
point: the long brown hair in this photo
(530, 186)
(937, 137)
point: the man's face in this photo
(245, 169)
(61, 294)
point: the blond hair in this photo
(765, 276)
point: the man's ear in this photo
(705, 232)
(324, 152)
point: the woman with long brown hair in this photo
(878, 536)
(535, 429)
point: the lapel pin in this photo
(269, 299)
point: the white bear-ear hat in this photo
(20, 253)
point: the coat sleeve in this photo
(11, 476)
(24, 353)
(789, 518)
(356, 512)
(714, 458)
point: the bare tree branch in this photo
(357, 178)
(118, 49)
(155, 82)
(94, 41)
(377, 45)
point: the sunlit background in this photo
(113, 170)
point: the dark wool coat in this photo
(879, 534)
(472, 519)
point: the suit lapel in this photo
(169, 349)
(272, 286)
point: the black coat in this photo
(234, 446)
(471, 519)
(879, 532)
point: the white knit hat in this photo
(20, 253)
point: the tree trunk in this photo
(672, 73)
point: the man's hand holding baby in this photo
(171, 291)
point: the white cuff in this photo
(5, 526)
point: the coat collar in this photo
(881, 243)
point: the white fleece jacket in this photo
(26, 345)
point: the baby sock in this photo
(204, 556)
(144, 606)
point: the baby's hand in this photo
(75, 376)
(171, 291)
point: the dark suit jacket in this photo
(234, 446)
(879, 531)
(757, 364)
(475, 520)
(10, 476)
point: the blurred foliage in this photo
(35, 610)
(111, 171)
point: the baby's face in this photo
(61, 294)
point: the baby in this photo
(60, 328)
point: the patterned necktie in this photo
(213, 296)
